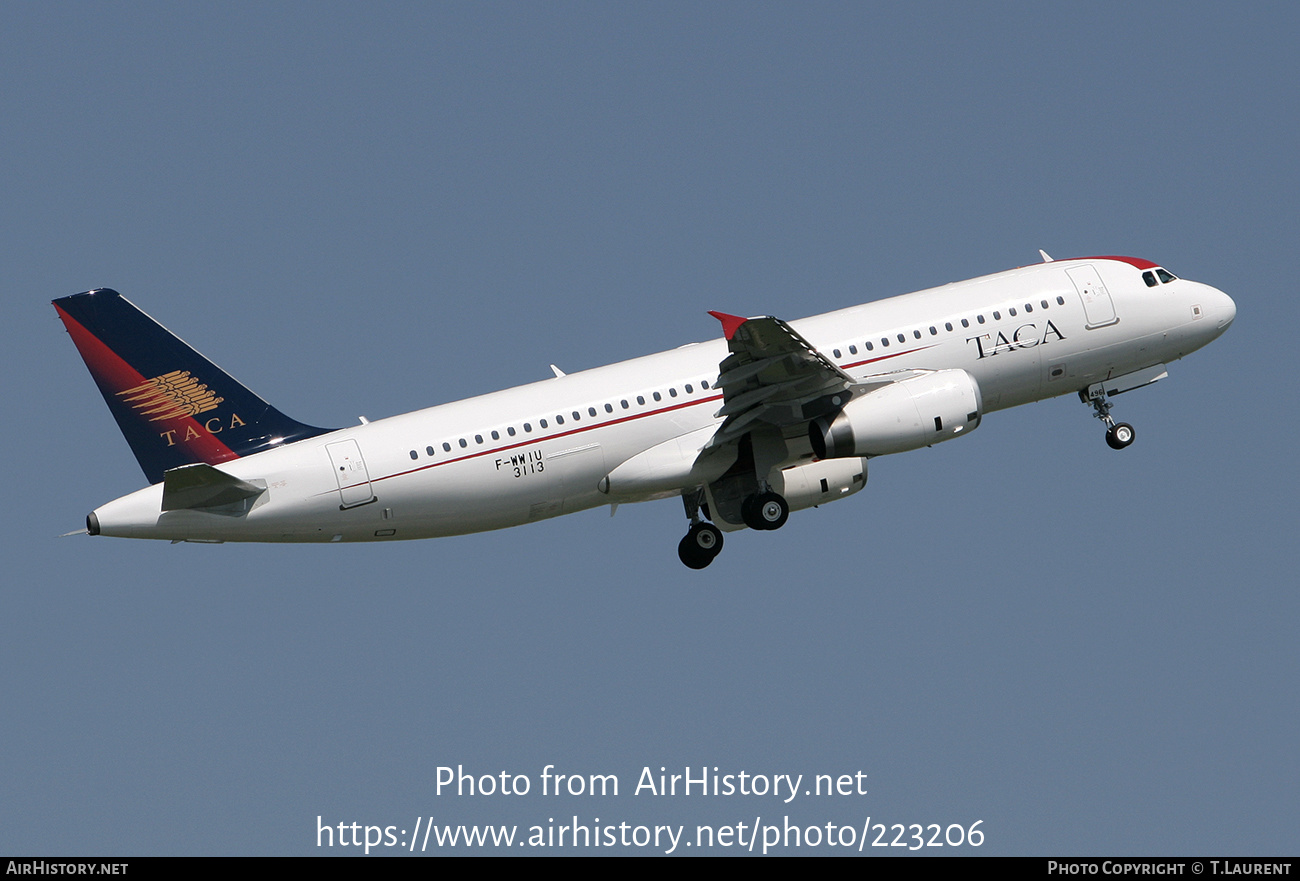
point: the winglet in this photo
(1047, 258)
(730, 323)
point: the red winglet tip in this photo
(730, 323)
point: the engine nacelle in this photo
(816, 483)
(802, 486)
(901, 416)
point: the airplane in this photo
(772, 418)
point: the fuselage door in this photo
(350, 471)
(1098, 308)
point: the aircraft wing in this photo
(773, 375)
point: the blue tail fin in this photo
(174, 406)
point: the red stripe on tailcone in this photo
(113, 375)
(730, 323)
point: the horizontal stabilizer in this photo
(201, 486)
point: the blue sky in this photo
(366, 210)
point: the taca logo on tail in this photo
(174, 406)
(173, 395)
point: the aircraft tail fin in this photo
(174, 406)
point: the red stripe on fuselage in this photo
(532, 442)
(629, 418)
(115, 375)
(885, 357)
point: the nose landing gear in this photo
(1118, 434)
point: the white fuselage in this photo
(543, 449)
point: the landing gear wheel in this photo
(765, 510)
(700, 545)
(773, 510)
(1119, 436)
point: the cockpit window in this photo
(1150, 278)
(1166, 277)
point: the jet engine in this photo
(816, 483)
(901, 416)
(801, 486)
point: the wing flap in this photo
(773, 375)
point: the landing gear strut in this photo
(703, 541)
(1118, 434)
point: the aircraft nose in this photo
(1222, 309)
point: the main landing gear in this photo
(703, 541)
(765, 510)
(1118, 434)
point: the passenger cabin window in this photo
(429, 450)
(510, 430)
(414, 454)
(640, 399)
(658, 397)
(446, 447)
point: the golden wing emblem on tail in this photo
(173, 395)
